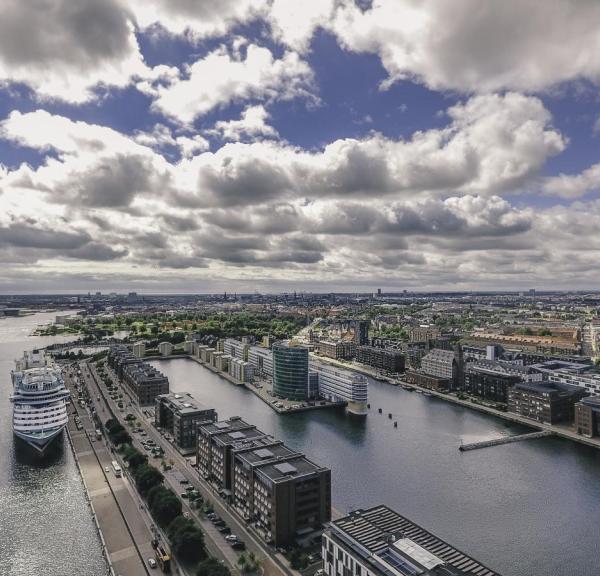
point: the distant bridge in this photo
(504, 440)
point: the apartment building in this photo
(181, 416)
(285, 495)
(262, 361)
(144, 382)
(381, 542)
(241, 370)
(380, 358)
(338, 350)
(587, 417)
(292, 501)
(572, 373)
(546, 402)
(236, 349)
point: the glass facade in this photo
(290, 371)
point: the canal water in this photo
(524, 509)
(46, 527)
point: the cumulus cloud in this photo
(63, 49)
(96, 166)
(467, 45)
(196, 19)
(294, 23)
(234, 77)
(492, 144)
(252, 123)
(573, 185)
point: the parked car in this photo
(152, 562)
(238, 545)
(231, 538)
(225, 529)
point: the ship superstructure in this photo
(39, 400)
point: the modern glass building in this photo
(290, 371)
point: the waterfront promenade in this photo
(126, 538)
(273, 563)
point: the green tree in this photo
(146, 477)
(165, 507)
(186, 539)
(212, 567)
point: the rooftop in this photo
(292, 468)
(276, 450)
(226, 426)
(547, 387)
(183, 403)
(381, 534)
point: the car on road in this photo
(320, 572)
(212, 516)
(184, 481)
(219, 523)
(224, 529)
(107, 468)
(189, 488)
(184, 495)
(152, 562)
(238, 545)
(231, 538)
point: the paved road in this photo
(274, 564)
(127, 544)
(138, 516)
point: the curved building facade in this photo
(290, 371)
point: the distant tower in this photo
(378, 291)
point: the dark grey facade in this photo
(546, 402)
(182, 417)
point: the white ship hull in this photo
(39, 403)
(40, 443)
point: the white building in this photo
(581, 375)
(236, 349)
(139, 349)
(165, 348)
(337, 384)
(262, 360)
(240, 370)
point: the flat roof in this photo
(223, 426)
(375, 530)
(183, 403)
(272, 450)
(291, 468)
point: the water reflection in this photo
(500, 504)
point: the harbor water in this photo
(46, 526)
(524, 509)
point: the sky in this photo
(323, 145)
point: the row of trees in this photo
(186, 538)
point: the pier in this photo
(505, 440)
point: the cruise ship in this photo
(39, 400)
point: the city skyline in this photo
(336, 146)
